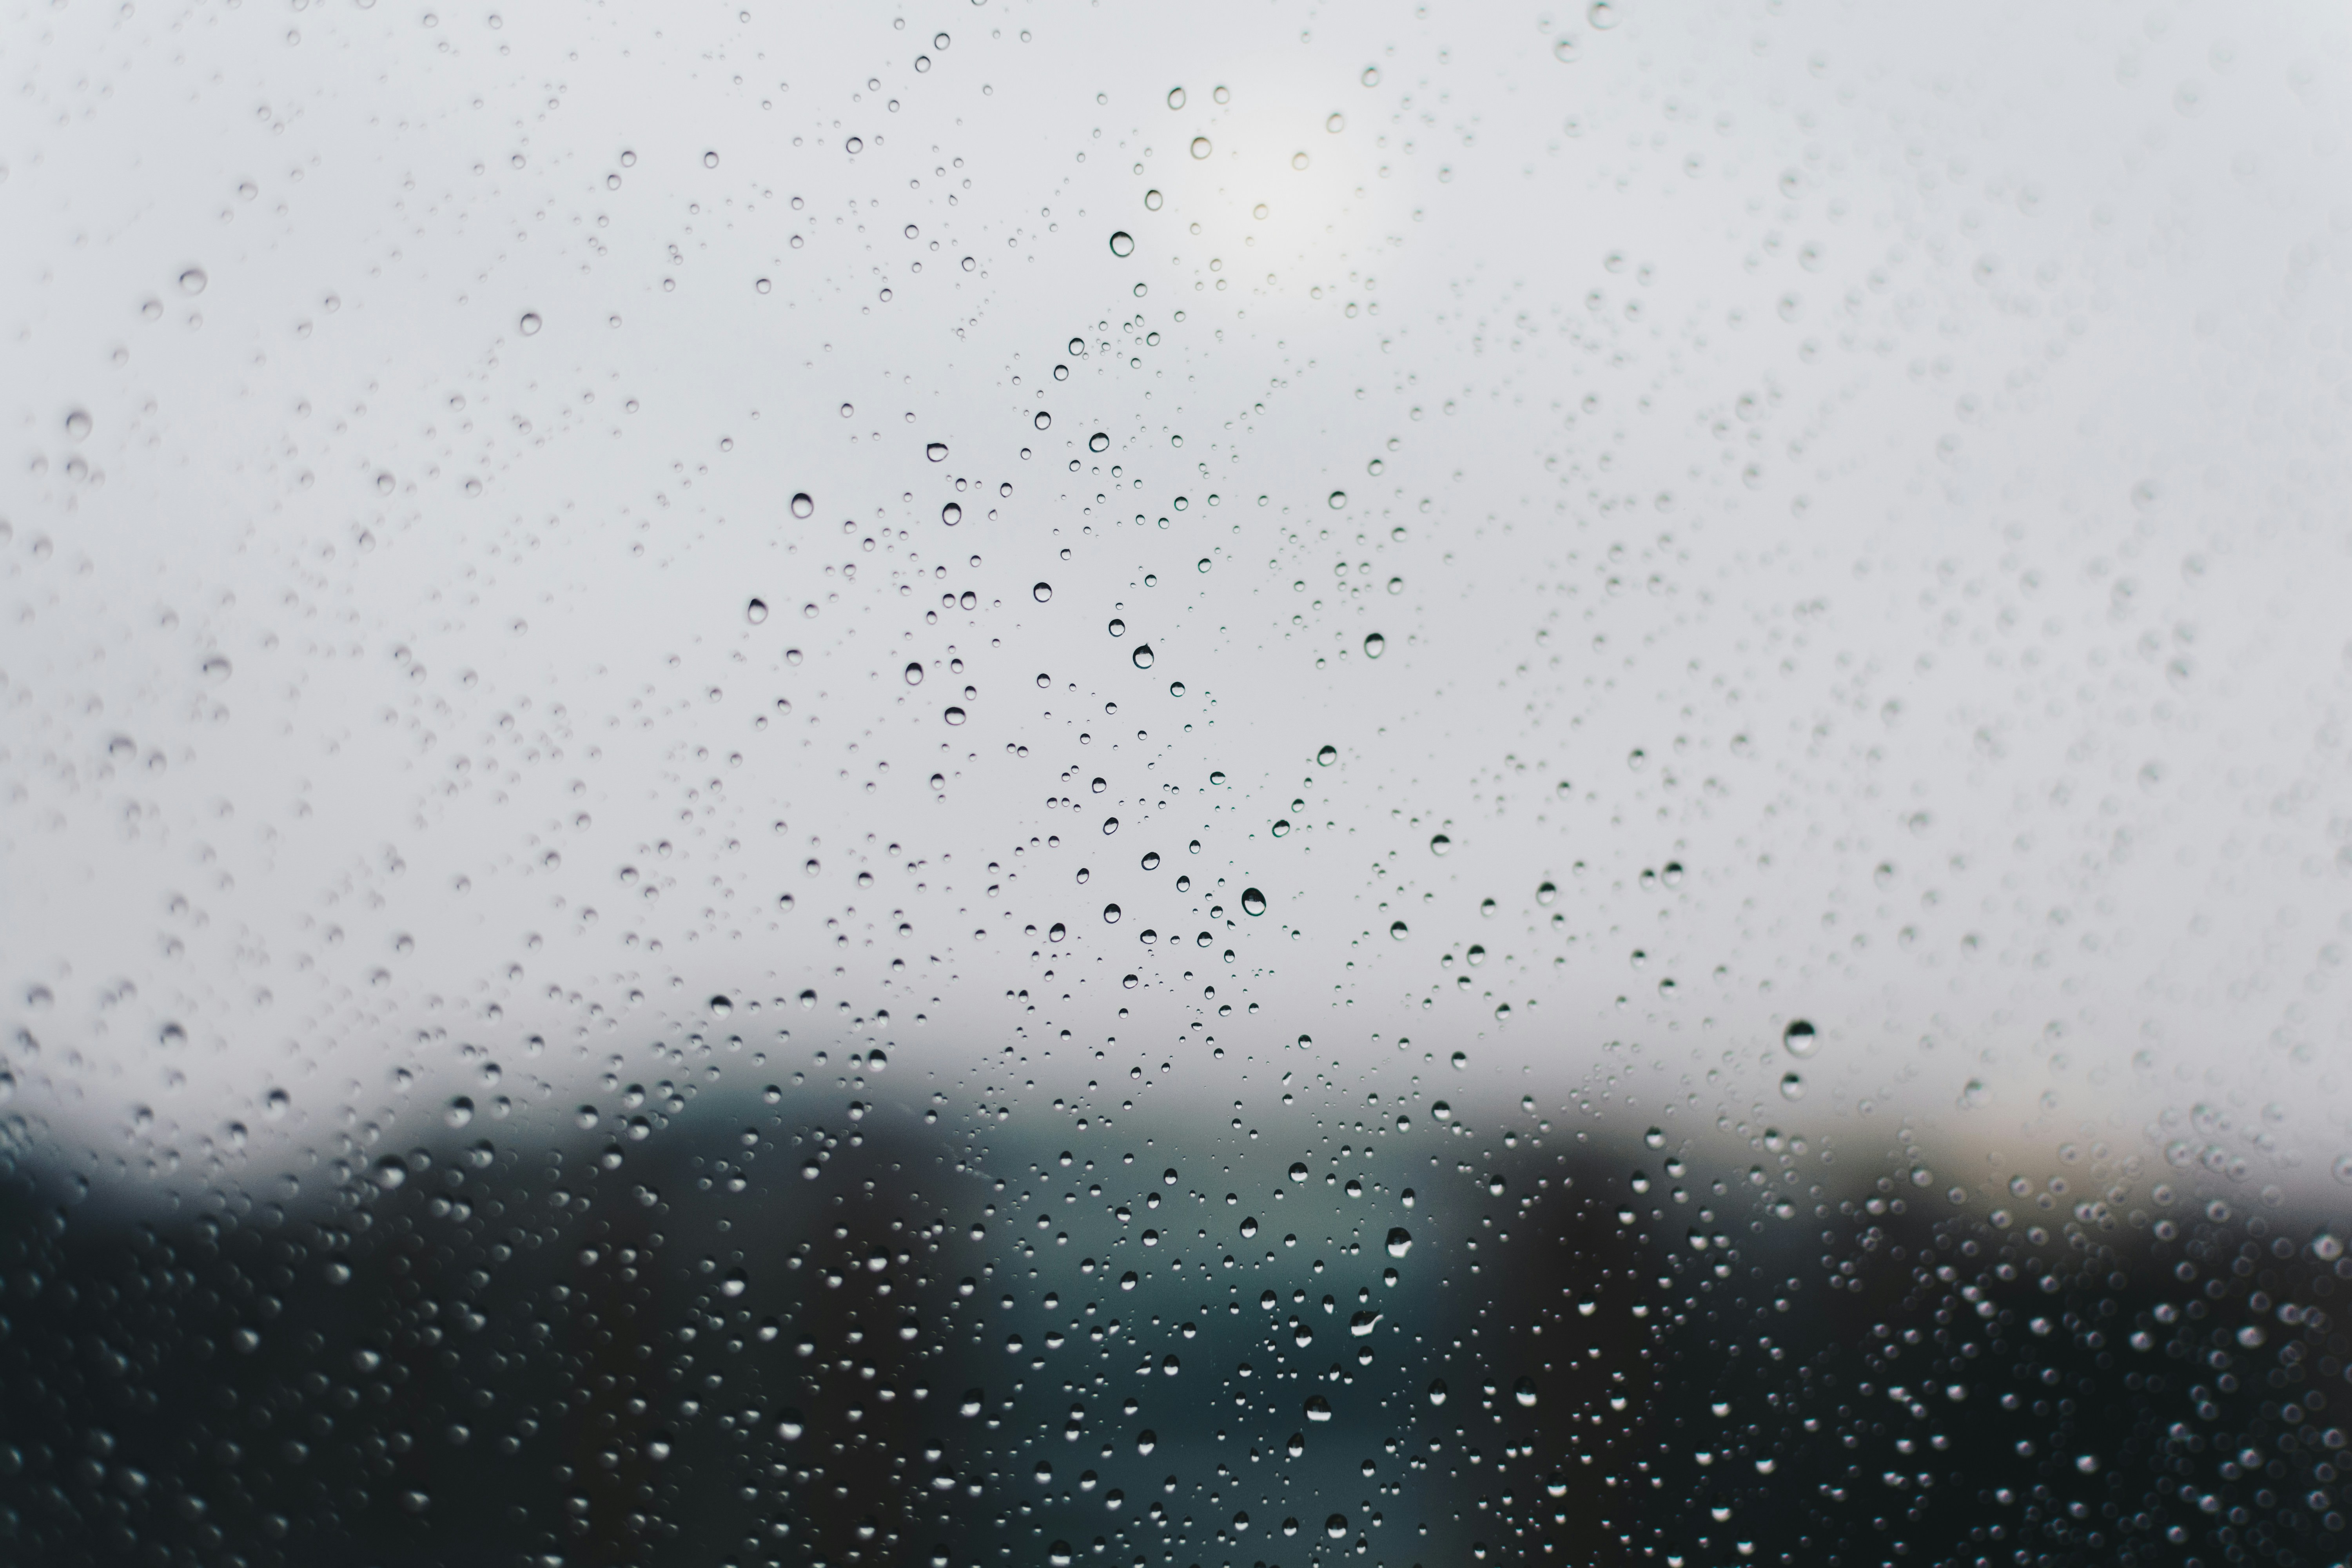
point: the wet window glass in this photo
(1244, 785)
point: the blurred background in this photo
(1003, 783)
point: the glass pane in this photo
(1218, 784)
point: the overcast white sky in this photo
(1850, 498)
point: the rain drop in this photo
(1799, 1039)
(530, 323)
(1143, 657)
(1110, 914)
(1098, 442)
(1175, 98)
(1375, 645)
(1121, 243)
(937, 451)
(1400, 1242)
(1338, 499)
(951, 514)
(1326, 756)
(1253, 901)
(1042, 592)
(1792, 1087)
(802, 505)
(915, 674)
(1201, 147)
(756, 611)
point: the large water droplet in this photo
(915, 674)
(1110, 914)
(1175, 98)
(1098, 442)
(735, 1284)
(1337, 500)
(802, 505)
(192, 280)
(1799, 1039)
(756, 611)
(1200, 148)
(1143, 657)
(1298, 1170)
(1042, 592)
(1253, 901)
(1397, 930)
(1400, 1241)
(1792, 1086)
(1336, 1527)
(937, 451)
(1121, 243)
(1375, 645)
(951, 514)
(1326, 756)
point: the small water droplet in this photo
(1792, 1086)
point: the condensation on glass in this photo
(999, 784)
